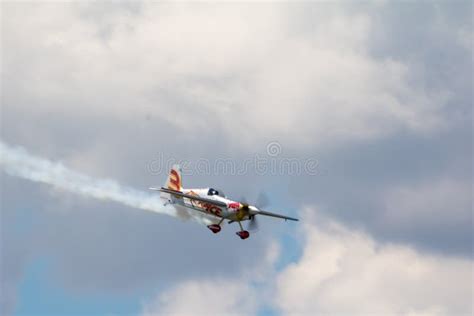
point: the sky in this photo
(355, 117)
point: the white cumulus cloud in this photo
(347, 272)
(303, 74)
(233, 295)
(342, 271)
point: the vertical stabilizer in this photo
(174, 180)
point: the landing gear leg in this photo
(243, 234)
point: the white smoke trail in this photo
(16, 161)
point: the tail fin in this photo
(174, 180)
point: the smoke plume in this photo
(17, 162)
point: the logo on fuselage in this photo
(207, 207)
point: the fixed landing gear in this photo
(243, 234)
(215, 228)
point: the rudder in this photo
(174, 180)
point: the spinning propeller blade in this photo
(253, 224)
(262, 200)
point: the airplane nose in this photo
(253, 210)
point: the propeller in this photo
(245, 205)
(253, 224)
(262, 201)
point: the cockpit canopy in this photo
(212, 191)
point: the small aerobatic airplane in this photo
(212, 202)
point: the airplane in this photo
(212, 202)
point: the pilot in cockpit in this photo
(215, 192)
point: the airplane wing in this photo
(218, 203)
(276, 215)
(191, 197)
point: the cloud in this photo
(341, 271)
(257, 67)
(385, 106)
(345, 271)
(433, 204)
(216, 296)
(434, 211)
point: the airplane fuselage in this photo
(212, 202)
(232, 210)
